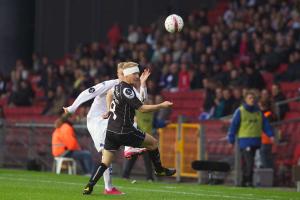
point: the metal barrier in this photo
(179, 146)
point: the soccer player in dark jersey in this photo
(120, 129)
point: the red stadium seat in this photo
(292, 115)
(282, 68)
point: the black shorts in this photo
(113, 141)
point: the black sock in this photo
(97, 173)
(155, 158)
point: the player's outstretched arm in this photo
(109, 98)
(150, 108)
(90, 93)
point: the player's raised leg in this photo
(152, 146)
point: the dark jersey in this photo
(122, 109)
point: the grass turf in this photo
(25, 185)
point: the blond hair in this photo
(129, 64)
(120, 65)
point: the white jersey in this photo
(98, 92)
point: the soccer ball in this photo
(173, 23)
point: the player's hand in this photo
(166, 104)
(145, 75)
(66, 110)
(106, 115)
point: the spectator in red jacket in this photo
(184, 78)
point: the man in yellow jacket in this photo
(65, 144)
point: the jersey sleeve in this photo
(143, 94)
(91, 93)
(130, 97)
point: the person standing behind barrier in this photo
(144, 123)
(278, 96)
(65, 144)
(247, 124)
(266, 142)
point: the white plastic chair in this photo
(70, 162)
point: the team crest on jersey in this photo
(128, 93)
(91, 90)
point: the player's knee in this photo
(154, 144)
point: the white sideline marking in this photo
(146, 190)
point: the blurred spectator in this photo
(49, 99)
(196, 79)
(171, 78)
(65, 144)
(278, 96)
(152, 87)
(270, 59)
(225, 53)
(268, 104)
(209, 86)
(3, 86)
(81, 116)
(296, 156)
(22, 96)
(58, 102)
(48, 79)
(161, 116)
(2, 117)
(292, 72)
(36, 63)
(237, 97)
(79, 82)
(183, 78)
(253, 78)
(114, 35)
(235, 79)
(133, 36)
(228, 102)
(219, 104)
(266, 142)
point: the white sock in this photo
(107, 178)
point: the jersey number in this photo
(113, 109)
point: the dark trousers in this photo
(266, 155)
(84, 157)
(247, 156)
(129, 163)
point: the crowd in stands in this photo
(224, 59)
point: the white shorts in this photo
(97, 127)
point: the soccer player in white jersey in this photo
(96, 124)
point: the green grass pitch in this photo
(25, 185)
